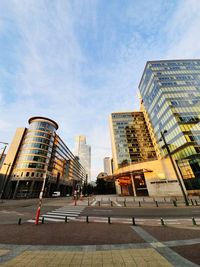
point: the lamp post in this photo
(174, 167)
(3, 150)
(5, 180)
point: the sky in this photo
(77, 61)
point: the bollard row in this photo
(162, 221)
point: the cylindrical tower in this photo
(35, 153)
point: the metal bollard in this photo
(42, 220)
(194, 221)
(87, 219)
(162, 222)
(156, 203)
(109, 220)
(124, 203)
(65, 219)
(192, 202)
(19, 221)
(99, 203)
(111, 203)
(164, 199)
(174, 202)
(133, 221)
(139, 204)
(196, 202)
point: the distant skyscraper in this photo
(170, 91)
(83, 151)
(131, 141)
(108, 165)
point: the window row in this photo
(36, 139)
(47, 127)
(35, 152)
(36, 145)
(30, 165)
(29, 174)
(32, 158)
(38, 133)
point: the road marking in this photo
(101, 210)
(59, 215)
(117, 204)
(94, 203)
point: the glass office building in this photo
(170, 92)
(131, 141)
(38, 153)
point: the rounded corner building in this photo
(38, 154)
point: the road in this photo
(150, 212)
(100, 206)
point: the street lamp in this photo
(174, 167)
(1, 157)
(5, 180)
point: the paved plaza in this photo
(98, 244)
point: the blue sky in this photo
(77, 61)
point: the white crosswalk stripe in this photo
(59, 215)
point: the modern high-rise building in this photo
(108, 165)
(170, 93)
(131, 141)
(37, 155)
(83, 151)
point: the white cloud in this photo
(183, 31)
(61, 74)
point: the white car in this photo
(56, 194)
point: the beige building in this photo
(139, 168)
(38, 155)
(150, 178)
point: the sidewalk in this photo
(98, 244)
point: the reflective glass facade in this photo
(83, 152)
(131, 141)
(170, 92)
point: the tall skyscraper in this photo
(83, 151)
(108, 165)
(131, 141)
(170, 92)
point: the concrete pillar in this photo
(31, 189)
(16, 187)
(133, 185)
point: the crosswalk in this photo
(73, 213)
(60, 214)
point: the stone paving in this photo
(129, 257)
(146, 253)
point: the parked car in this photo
(56, 194)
